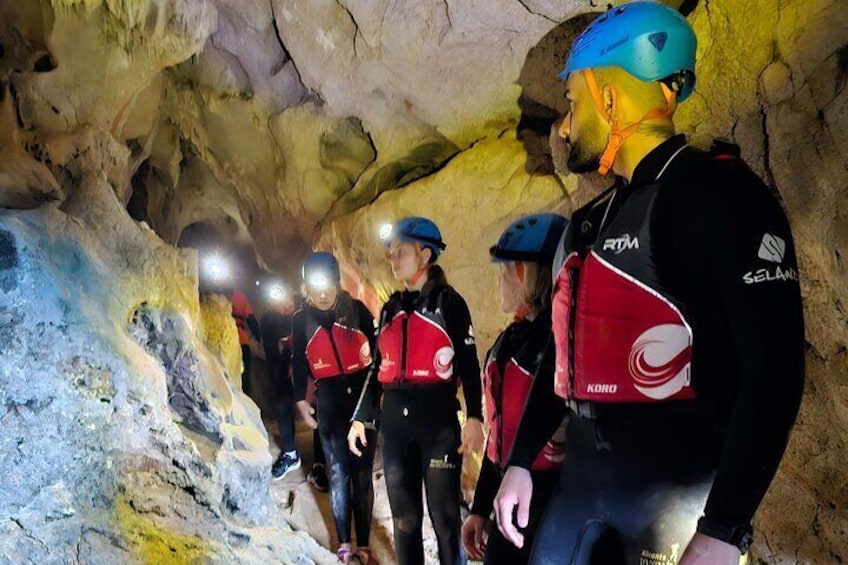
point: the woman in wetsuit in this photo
(524, 254)
(426, 347)
(332, 341)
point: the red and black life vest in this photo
(241, 313)
(620, 336)
(414, 345)
(337, 350)
(506, 395)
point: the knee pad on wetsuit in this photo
(598, 544)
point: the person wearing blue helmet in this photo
(332, 343)
(677, 322)
(426, 348)
(523, 253)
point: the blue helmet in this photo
(649, 40)
(321, 270)
(533, 238)
(417, 230)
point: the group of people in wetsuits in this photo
(402, 375)
(639, 402)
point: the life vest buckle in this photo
(582, 409)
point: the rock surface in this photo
(123, 440)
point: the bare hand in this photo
(475, 531)
(472, 437)
(516, 491)
(306, 412)
(356, 433)
(704, 550)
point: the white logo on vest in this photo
(320, 364)
(623, 243)
(443, 363)
(365, 354)
(660, 361)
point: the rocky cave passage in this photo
(135, 135)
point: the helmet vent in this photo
(658, 40)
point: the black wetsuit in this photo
(421, 434)
(637, 477)
(276, 333)
(526, 343)
(351, 480)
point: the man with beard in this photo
(677, 323)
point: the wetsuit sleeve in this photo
(368, 406)
(543, 413)
(300, 365)
(487, 488)
(465, 361)
(736, 241)
(253, 326)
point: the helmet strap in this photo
(420, 272)
(417, 276)
(618, 136)
(521, 313)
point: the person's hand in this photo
(475, 531)
(356, 433)
(704, 550)
(472, 437)
(515, 494)
(306, 412)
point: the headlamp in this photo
(318, 281)
(277, 292)
(216, 268)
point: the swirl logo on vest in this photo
(659, 361)
(443, 363)
(365, 354)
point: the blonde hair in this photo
(537, 287)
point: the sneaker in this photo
(284, 465)
(317, 477)
(345, 555)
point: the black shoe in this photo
(284, 465)
(317, 477)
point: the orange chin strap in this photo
(617, 136)
(417, 276)
(420, 273)
(520, 272)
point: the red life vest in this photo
(241, 312)
(506, 395)
(341, 350)
(415, 346)
(619, 335)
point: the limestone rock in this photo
(219, 334)
(122, 439)
(24, 181)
